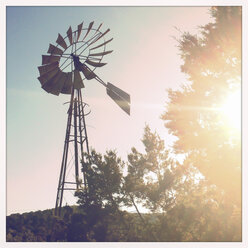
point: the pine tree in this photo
(212, 62)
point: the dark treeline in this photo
(73, 226)
(198, 200)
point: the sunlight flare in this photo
(231, 110)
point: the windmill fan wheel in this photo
(79, 52)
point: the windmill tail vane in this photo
(64, 69)
(119, 96)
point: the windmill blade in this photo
(55, 84)
(119, 100)
(49, 67)
(125, 96)
(69, 34)
(78, 82)
(67, 87)
(106, 42)
(80, 26)
(89, 74)
(100, 54)
(54, 50)
(95, 64)
(60, 40)
(102, 35)
(99, 37)
(99, 27)
(47, 59)
(47, 87)
(89, 28)
(47, 76)
(60, 81)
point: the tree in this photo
(183, 207)
(152, 176)
(100, 201)
(212, 63)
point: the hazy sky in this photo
(145, 63)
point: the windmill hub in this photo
(76, 61)
(61, 73)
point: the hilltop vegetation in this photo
(74, 225)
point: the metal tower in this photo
(76, 136)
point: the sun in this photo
(231, 110)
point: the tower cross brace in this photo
(76, 138)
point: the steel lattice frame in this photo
(76, 133)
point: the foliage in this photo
(35, 227)
(184, 206)
(212, 63)
(180, 207)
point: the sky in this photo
(145, 63)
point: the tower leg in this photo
(75, 147)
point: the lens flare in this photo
(231, 110)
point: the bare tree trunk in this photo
(146, 225)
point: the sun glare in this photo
(231, 110)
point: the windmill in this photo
(65, 68)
